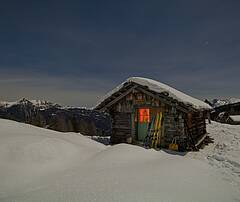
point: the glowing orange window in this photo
(144, 115)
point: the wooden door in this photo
(143, 122)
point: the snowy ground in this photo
(42, 165)
(224, 153)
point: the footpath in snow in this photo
(42, 165)
(224, 153)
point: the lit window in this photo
(144, 115)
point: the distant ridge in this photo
(53, 116)
(220, 102)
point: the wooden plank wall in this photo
(173, 128)
(187, 128)
(121, 127)
(196, 126)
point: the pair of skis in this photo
(148, 138)
(154, 131)
(157, 132)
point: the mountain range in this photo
(220, 102)
(54, 116)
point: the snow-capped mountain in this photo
(38, 103)
(53, 116)
(220, 102)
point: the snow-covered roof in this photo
(160, 88)
(235, 118)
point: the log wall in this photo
(174, 128)
(186, 128)
(196, 126)
(121, 127)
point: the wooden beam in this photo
(201, 139)
(168, 99)
(162, 98)
(117, 99)
(109, 99)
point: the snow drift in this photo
(41, 165)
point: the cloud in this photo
(67, 91)
(74, 53)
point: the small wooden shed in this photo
(133, 104)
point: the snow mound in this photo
(161, 88)
(41, 165)
(38, 151)
(30, 154)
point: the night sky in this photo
(73, 52)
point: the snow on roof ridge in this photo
(160, 88)
(176, 94)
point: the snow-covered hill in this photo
(42, 165)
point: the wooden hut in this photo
(226, 117)
(133, 104)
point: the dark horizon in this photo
(74, 52)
